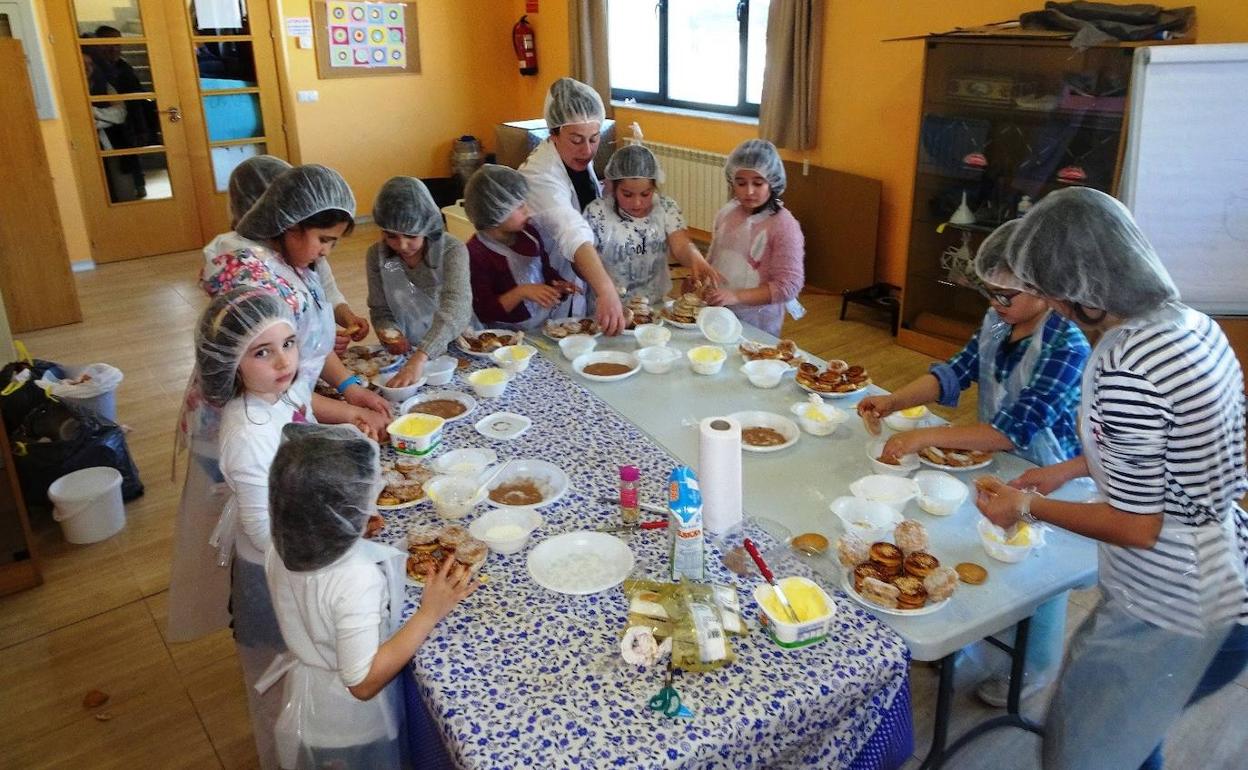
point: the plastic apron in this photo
(634, 252)
(995, 396)
(412, 306)
(321, 721)
(738, 255)
(529, 270)
(1201, 544)
(314, 327)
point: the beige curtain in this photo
(587, 27)
(789, 113)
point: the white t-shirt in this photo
(251, 431)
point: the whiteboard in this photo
(1185, 172)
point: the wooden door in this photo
(124, 113)
(227, 75)
(35, 277)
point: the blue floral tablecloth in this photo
(519, 676)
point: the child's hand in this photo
(342, 341)
(1043, 480)
(872, 409)
(409, 374)
(901, 444)
(357, 328)
(702, 271)
(358, 395)
(445, 587)
(546, 296)
(371, 423)
(723, 297)
(565, 287)
(998, 502)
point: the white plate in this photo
(550, 477)
(423, 497)
(606, 357)
(757, 419)
(503, 426)
(926, 609)
(677, 324)
(434, 395)
(832, 395)
(516, 336)
(580, 563)
(564, 320)
(955, 468)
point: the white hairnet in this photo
(229, 325)
(300, 193)
(761, 157)
(404, 205)
(323, 486)
(634, 161)
(990, 264)
(571, 101)
(1082, 246)
(492, 193)
(250, 179)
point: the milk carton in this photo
(685, 503)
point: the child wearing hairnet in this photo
(1162, 423)
(1028, 362)
(338, 599)
(419, 295)
(636, 228)
(512, 256)
(247, 358)
(757, 246)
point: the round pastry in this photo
(829, 378)
(406, 465)
(471, 552)
(452, 536)
(852, 550)
(422, 538)
(837, 366)
(970, 572)
(887, 555)
(811, 543)
(462, 363)
(920, 564)
(393, 476)
(808, 369)
(864, 571)
(854, 372)
(941, 584)
(911, 595)
(739, 561)
(388, 498)
(787, 348)
(879, 592)
(374, 525)
(910, 536)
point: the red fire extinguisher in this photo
(524, 42)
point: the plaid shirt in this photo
(1049, 400)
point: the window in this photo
(696, 54)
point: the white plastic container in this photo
(707, 359)
(98, 395)
(397, 395)
(440, 370)
(454, 497)
(416, 434)
(719, 325)
(940, 493)
(514, 358)
(906, 463)
(658, 359)
(489, 383)
(893, 491)
(868, 519)
(994, 543)
(574, 346)
(765, 374)
(817, 419)
(652, 335)
(457, 222)
(788, 634)
(88, 504)
(505, 530)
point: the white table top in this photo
(795, 486)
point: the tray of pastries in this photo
(404, 479)
(429, 546)
(368, 361)
(558, 328)
(637, 311)
(955, 459)
(899, 577)
(784, 350)
(834, 380)
(486, 341)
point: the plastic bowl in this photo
(652, 335)
(940, 493)
(514, 358)
(440, 370)
(893, 491)
(908, 463)
(868, 519)
(606, 357)
(824, 420)
(397, 395)
(547, 477)
(707, 359)
(465, 462)
(574, 346)
(489, 383)
(899, 422)
(719, 325)
(765, 374)
(658, 359)
(505, 530)
(454, 497)
(994, 542)
(416, 434)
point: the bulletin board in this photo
(358, 39)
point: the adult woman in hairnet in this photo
(338, 599)
(1162, 427)
(561, 179)
(419, 295)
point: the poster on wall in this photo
(365, 38)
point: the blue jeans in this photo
(1231, 660)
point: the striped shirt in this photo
(1166, 415)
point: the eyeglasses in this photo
(1002, 298)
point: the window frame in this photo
(661, 99)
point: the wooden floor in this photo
(98, 620)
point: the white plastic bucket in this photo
(88, 504)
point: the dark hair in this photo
(555, 131)
(323, 220)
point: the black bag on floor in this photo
(55, 439)
(17, 402)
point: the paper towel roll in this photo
(719, 473)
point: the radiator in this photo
(695, 180)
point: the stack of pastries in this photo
(899, 575)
